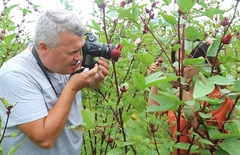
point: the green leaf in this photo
(95, 25)
(186, 5)
(145, 58)
(237, 86)
(79, 127)
(213, 48)
(220, 80)
(220, 151)
(201, 90)
(170, 19)
(14, 149)
(188, 46)
(205, 141)
(167, 2)
(139, 81)
(157, 78)
(227, 58)
(88, 118)
(98, 2)
(123, 12)
(190, 102)
(180, 145)
(24, 11)
(128, 143)
(176, 47)
(6, 11)
(14, 134)
(224, 136)
(205, 152)
(213, 132)
(185, 146)
(210, 100)
(116, 151)
(9, 38)
(232, 127)
(5, 102)
(209, 13)
(135, 13)
(193, 61)
(205, 115)
(192, 33)
(166, 103)
(231, 145)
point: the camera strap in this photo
(34, 52)
(76, 72)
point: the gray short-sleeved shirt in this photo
(24, 85)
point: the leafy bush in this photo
(117, 119)
(123, 115)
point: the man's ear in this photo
(43, 47)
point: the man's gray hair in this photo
(53, 22)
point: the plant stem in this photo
(5, 127)
(155, 143)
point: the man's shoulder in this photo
(21, 62)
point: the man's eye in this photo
(71, 53)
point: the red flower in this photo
(227, 39)
(123, 3)
(116, 53)
(151, 125)
(147, 10)
(160, 60)
(154, 4)
(153, 130)
(110, 140)
(152, 16)
(102, 6)
(123, 89)
(103, 136)
(225, 21)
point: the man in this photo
(46, 99)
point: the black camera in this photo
(92, 48)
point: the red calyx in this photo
(102, 6)
(116, 53)
(225, 21)
(123, 89)
(227, 39)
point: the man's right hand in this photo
(83, 79)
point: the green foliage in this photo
(14, 148)
(118, 122)
(124, 115)
(13, 37)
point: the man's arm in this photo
(45, 131)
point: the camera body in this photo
(92, 48)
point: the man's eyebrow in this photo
(76, 50)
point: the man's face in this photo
(64, 57)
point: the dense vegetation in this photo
(117, 118)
